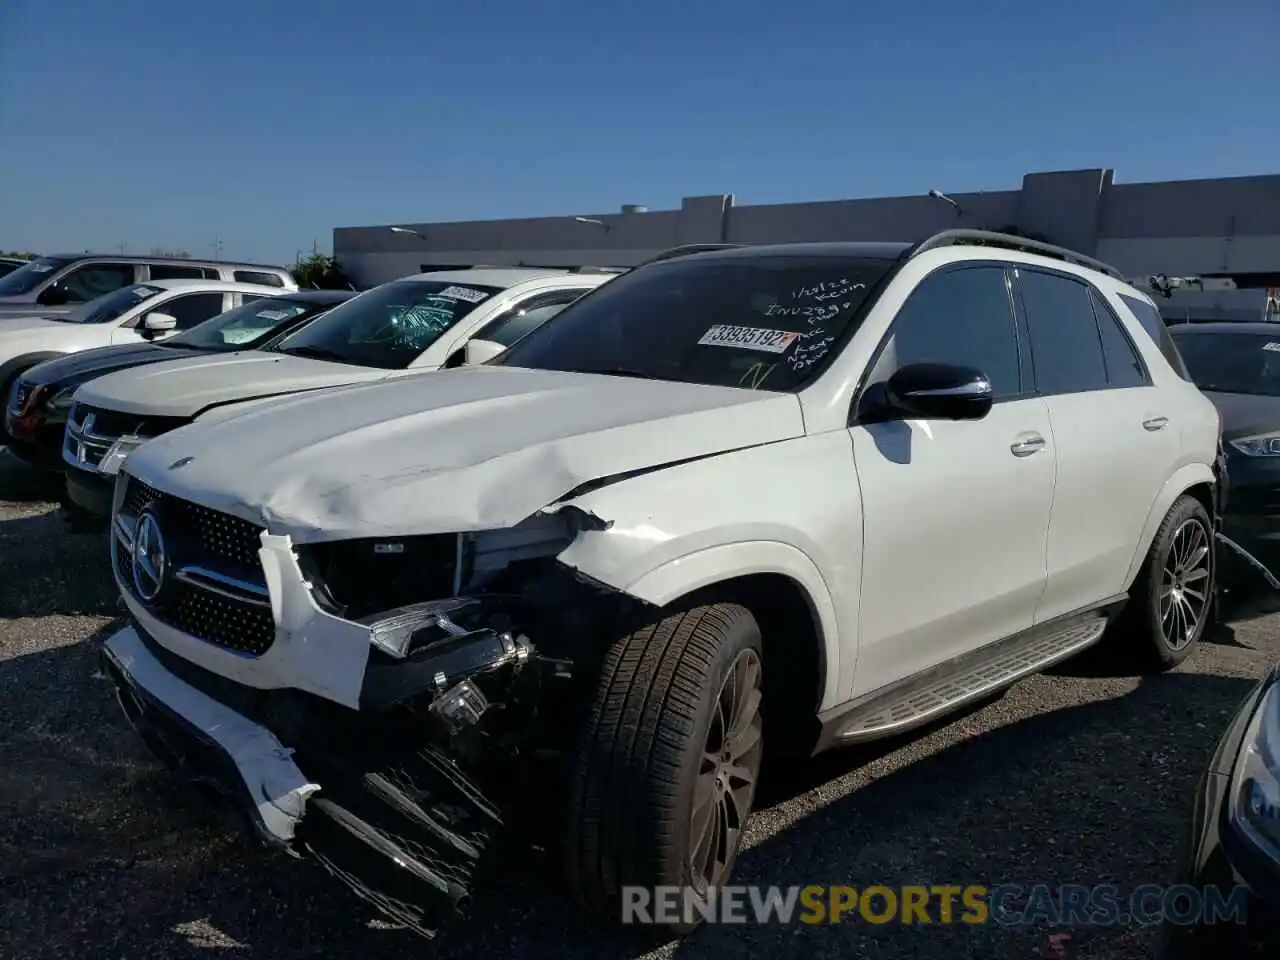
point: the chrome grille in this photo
(216, 591)
(91, 432)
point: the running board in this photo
(919, 699)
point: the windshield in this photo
(27, 278)
(389, 326)
(761, 322)
(246, 326)
(1233, 362)
(110, 306)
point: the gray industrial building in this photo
(1176, 228)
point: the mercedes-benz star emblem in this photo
(149, 560)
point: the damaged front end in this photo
(399, 782)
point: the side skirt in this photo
(919, 699)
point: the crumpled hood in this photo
(440, 452)
(185, 387)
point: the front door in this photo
(955, 513)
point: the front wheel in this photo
(1171, 602)
(667, 767)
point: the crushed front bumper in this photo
(406, 835)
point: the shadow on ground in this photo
(20, 483)
(103, 854)
(46, 570)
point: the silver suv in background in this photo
(56, 284)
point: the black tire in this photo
(645, 748)
(5, 387)
(1148, 629)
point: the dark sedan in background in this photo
(36, 412)
(1237, 366)
(1235, 831)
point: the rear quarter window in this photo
(1151, 321)
(254, 276)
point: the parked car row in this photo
(618, 531)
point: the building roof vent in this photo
(634, 208)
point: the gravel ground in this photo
(1072, 778)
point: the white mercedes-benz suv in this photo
(806, 495)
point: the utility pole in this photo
(122, 247)
(217, 248)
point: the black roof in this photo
(1259, 327)
(147, 258)
(319, 296)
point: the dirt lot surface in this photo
(1077, 777)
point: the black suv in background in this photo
(36, 410)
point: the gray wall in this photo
(1178, 227)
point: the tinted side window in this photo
(250, 297)
(510, 325)
(193, 308)
(1153, 323)
(94, 279)
(1124, 366)
(169, 271)
(253, 276)
(960, 316)
(1066, 352)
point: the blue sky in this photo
(266, 124)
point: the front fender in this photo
(711, 565)
(1182, 480)
(753, 511)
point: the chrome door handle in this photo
(1026, 445)
(1155, 423)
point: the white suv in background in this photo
(806, 494)
(423, 322)
(141, 312)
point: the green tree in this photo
(161, 252)
(20, 255)
(320, 272)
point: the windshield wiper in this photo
(315, 353)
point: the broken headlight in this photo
(393, 632)
(357, 579)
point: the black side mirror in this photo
(939, 391)
(54, 295)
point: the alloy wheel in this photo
(1184, 584)
(727, 774)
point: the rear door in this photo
(1116, 440)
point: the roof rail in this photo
(567, 268)
(685, 249)
(986, 238)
